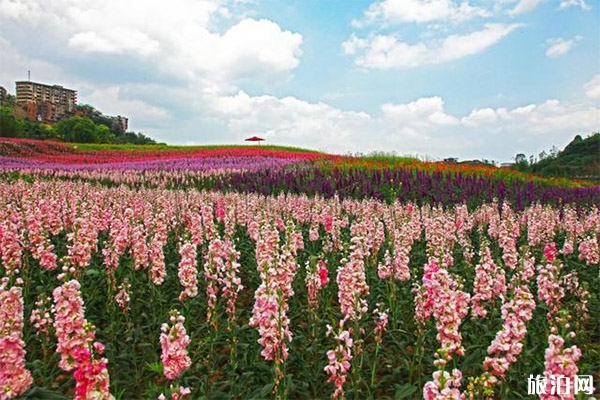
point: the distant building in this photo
(451, 160)
(44, 111)
(507, 165)
(121, 122)
(118, 123)
(3, 95)
(52, 102)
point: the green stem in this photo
(374, 365)
(417, 353)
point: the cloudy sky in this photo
(435, 78)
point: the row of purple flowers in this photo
(405, 185)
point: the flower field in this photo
(270, 273)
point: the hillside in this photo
(580, 159)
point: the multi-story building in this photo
(3, 94)
(60, 100)
(122, 122)
(118, 124)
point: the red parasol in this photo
(254, 139)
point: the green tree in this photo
(10, 101)
(76, 129)
(10, 125)
(104, 134)
(36, 130)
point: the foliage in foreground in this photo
(240, 295)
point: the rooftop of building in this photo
(44, 84)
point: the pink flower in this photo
(72, 330)
(560, 361)
(588, 250)
(157, 259)
(351, 275)
(91, 376)
(550, 252)
(41, 315)
(323, 272)
(277, 268)
(381, 321)
(316, 279)
(188, 272)
(176, 393)
(550, 290)
(444, 386)
(221, 270)
(509, 340)
(490, 282)
(449, 305)
(339, 359)
(15, 379)
(173, 342)
(122, 297)
(75, 344)
(11, 237)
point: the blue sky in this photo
(434, 78)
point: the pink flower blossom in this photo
(508, 343)
(91, 376)
(188, 272)
(588, 250)
(41, 315)
(15, 379)
(560, 362)
(381, 321)
(122, 297)
(72, 330)
(277, 268)
(339, 359)
(316, 279)
(490, 282)
(174, 342)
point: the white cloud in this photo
(548, 118)
(558, 47)
(408, 128)
(14, 66)
(574, 3)
(20, 9)
(387, 52)
(420, 11)
(354, 44)
(111, 101)
(179, 36)
(480, 117)
(422, 112)
(524, 6)
(592, 88)
(291, 121)
(119, 41)
(253, 46)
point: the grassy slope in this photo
(580, 159)
(165, 147)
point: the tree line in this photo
(580, 159)
(93, 128)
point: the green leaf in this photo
(37, 393)
(404, 391)
(92, 272)
(156, 367)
